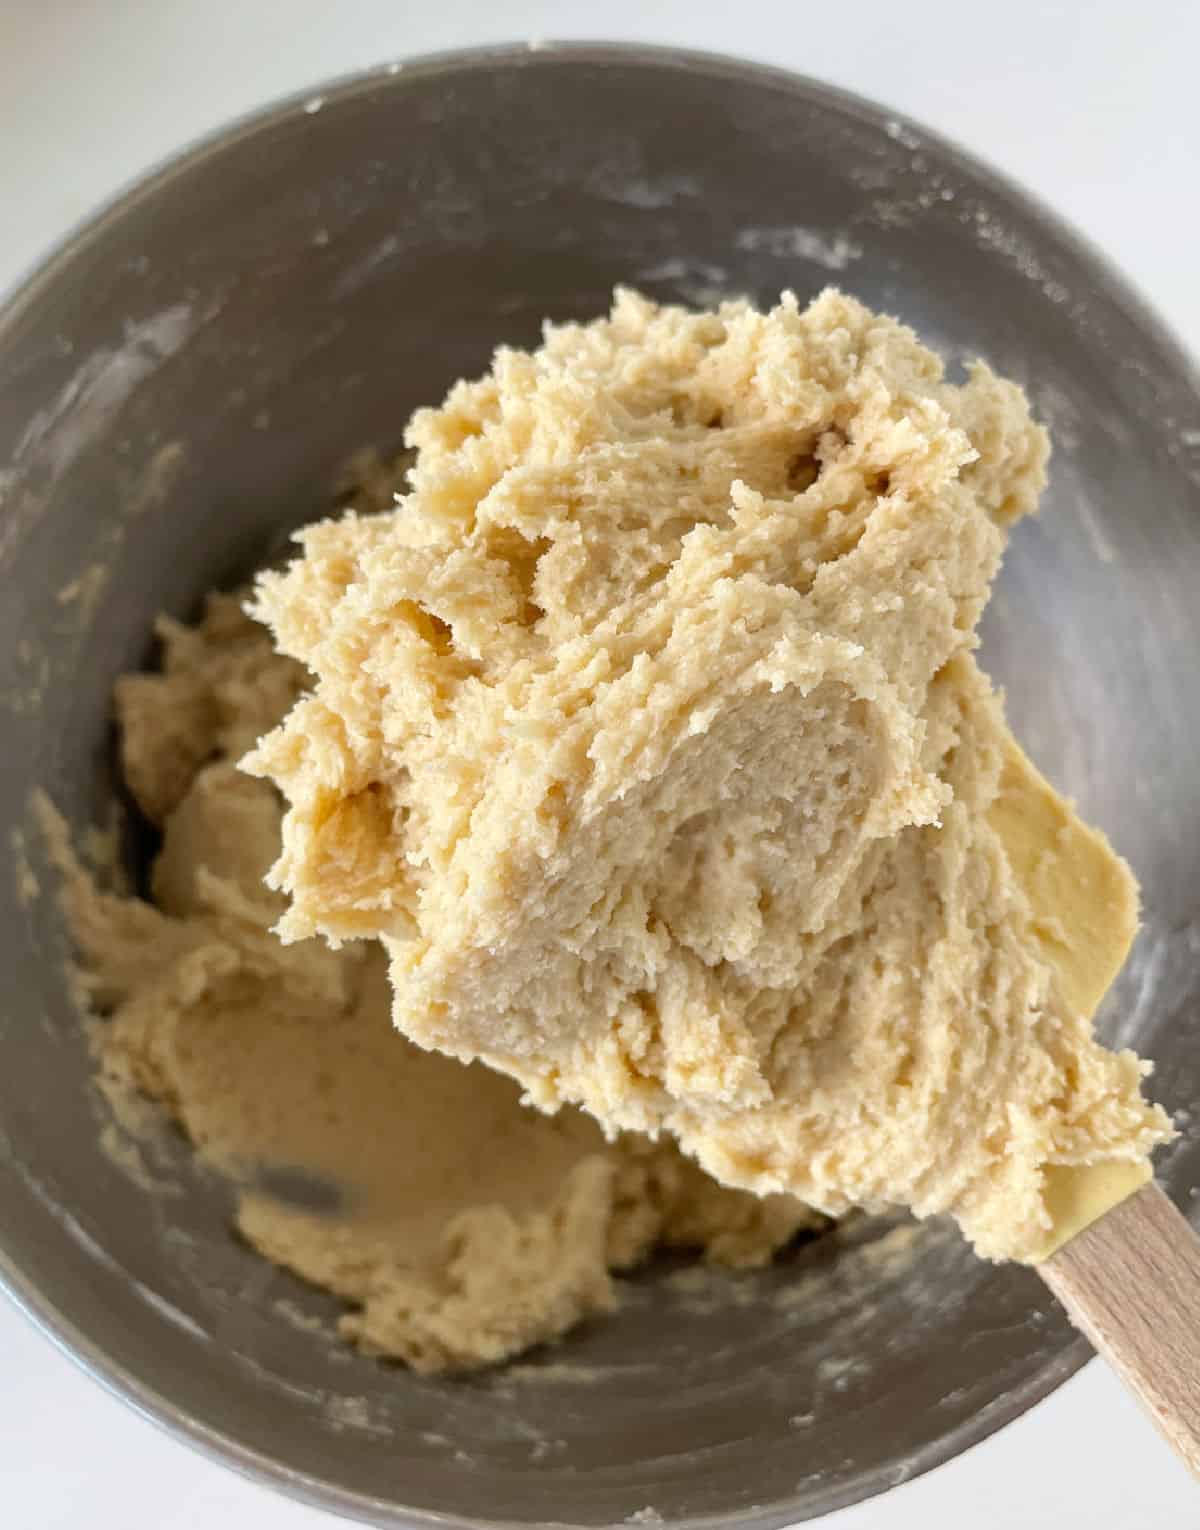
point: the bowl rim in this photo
(88, 1351)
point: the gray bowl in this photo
(185, 379)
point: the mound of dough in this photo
(461, 1226)
(647, 735)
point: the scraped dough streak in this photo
(647, 735)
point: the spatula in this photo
(1130, 1281)
(1121, 1259)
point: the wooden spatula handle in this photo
(1131, 1283)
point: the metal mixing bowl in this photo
(187, 377)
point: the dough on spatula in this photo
(647, 735)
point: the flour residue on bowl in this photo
(89, 402)
(832, 251)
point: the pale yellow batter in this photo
(647, 735)
(460, 1227)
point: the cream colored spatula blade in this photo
(1123, 1262)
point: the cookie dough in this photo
(460, 1226)
(647, 735)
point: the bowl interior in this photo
(187, 380)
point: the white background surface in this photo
(1092, 105)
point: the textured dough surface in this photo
(462, 1226)
(647, 734)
